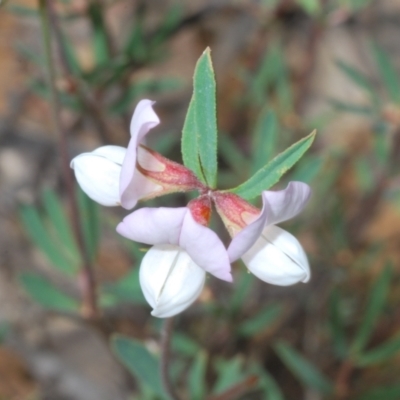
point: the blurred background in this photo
(283, 68)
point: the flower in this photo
(177, 227)
(113, 175)
(170, 280)
(173, 271)
(269, 252)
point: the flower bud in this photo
(170, 280)
(98, 173)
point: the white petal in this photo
(98, 176)
(112, 153)
(278, 258)
(170, 280)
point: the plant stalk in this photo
(89, 301)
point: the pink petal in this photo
(144, 119)
(286, 204)
(176, 226)
(277, 207)
(153, 225)
(205, 248)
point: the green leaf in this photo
(46, 294)
(62, 227)
(387, 72)
(89, 212)
(47, 244)
(197, 377)
(127, 289)
(184, 345)
(267, 384)
(240, 293)
(265, 139)
(310, 6)
(351, 108)
(336, 325)
(359, 79)
(199, 139)
(229, 373)
(307, 373)
(232, 155)
(379, 354)
(382, 393)
(143, 365)
(261, 321)
(100, 40)
(376, 302)
(267, 176)
(307, 169)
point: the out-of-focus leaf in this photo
(267, 384)
(170, 22)
(389, 75)
(364, 173)
(307, 373)
(241, 291)
(265, 138)
(182, 344)
(260, 321)
(4, 330)
(30, 54)
(351, 108)
(336, 325)
(47, 244)
(307, 169)
(140, 362)
(382, 393)
(142, 88)
(62, 227)
(90, 220)
(66, 99)
(232, 155)
(379, 354)
(229, 373)
(127, 289)
(358, 78)
(310, 6)
(46, 294)
(199, 138)
(100, 41)
(382, 148)
(267, 176)
(376, 302)
(197, 377)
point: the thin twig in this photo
(87, 277)
(165, 357)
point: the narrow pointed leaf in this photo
(389, 75)
(307, 373)
(270, 174)
(373, 310)
(197, 377)
(199, 139)
(382, 393)
(143, 365)
(47, 244)
(381, 353)
(265, 139)
(46, 294)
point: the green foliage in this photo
(46, 294)
(199, 135)
(197, 377)
(143, 365)
(373, 310)
(261, 321)
(307, 373)
(391, 392)
(270, 174)
(229, 374)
